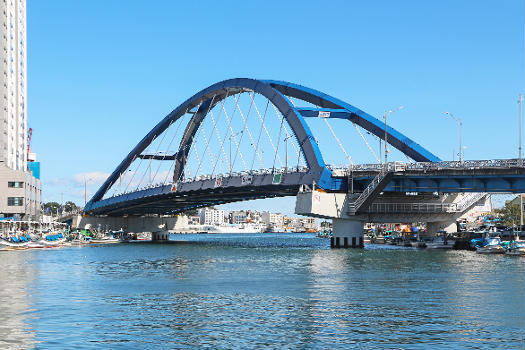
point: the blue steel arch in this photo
(276, 92)
(218, 92)
(300, 129)
(344, 110)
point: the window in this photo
(15, 201)
(15, 184)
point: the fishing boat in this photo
(324, 233)
(105, 240)
(516, 248)
(379, 239)
(491, 246)
(441, 242)
(14, 243)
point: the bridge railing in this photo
(301, 169)
(413, 208)
(469, 200)
(400, 166)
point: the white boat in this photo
(232, 228)
(105, 240)
(8, 245)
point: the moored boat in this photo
(516, 248)
(105, 240)
(441, 242)
(491, 246)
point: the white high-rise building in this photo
(13, 93)
(20, 187)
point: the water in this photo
(265, 291)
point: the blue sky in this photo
(103, 73)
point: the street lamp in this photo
(286, 153)
(520, 101)
(460, 124)
(85, 189)
(520, 163)
(232, 135)
(386, 132)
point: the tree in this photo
(51, 208)
(509, 214)
(70, 207)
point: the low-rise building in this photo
(238, 217)
(20, 194)
(272, 219)
(194, 220)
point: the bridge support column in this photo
(347, 233)
(160, 236)
(434, 227)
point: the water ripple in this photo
(259, 292)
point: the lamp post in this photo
(232, 135)
(460, 124)
(286, 153)
(386, 132)
(520, 101)
(520, 163)
(85, 189)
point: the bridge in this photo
(243, 139)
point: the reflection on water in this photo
(264, 291)
(15, 301)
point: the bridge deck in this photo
(475, 176)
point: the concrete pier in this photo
(447, 226)
(347, 233)
(160, 236)
(439, 212)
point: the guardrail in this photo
(452, 165)
(67, 214)
(301, 169)
(291, 170)
(457, 207)
(413, 208)
(469, 199)
(353, 207)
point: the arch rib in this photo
(218, 92)
(359, 117)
